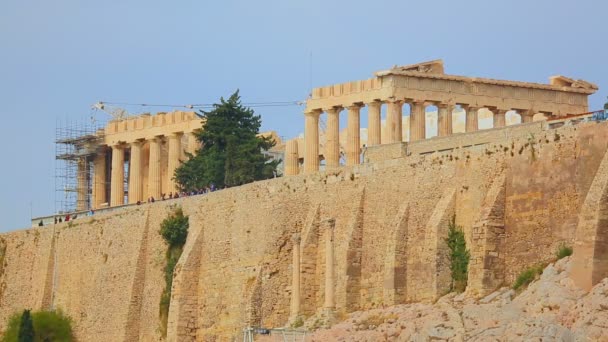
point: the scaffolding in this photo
(76, 144)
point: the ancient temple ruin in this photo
(418, 86)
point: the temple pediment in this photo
(430, 67)
(564, 81)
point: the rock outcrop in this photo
(552, 308)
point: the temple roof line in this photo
(434, 69)
(578, 86)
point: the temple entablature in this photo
(148, 126)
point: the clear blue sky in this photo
(59, 57)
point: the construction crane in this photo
(116, 112)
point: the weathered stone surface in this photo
(551, 309)
(107, 273)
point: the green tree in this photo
(174, 229)
(232, 150)
(459, 256)
(26, 328)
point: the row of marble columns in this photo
(135, 181)
(393, 126)
(329, 302)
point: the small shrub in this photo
(459, 257)
(298, 323)
(174, 229)
(44, 326)
(527, 276)
(52, 326)
(11, 333)
(563, 251)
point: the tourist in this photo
(55, 220)
(171, 195)
(67, 217)
(40, 224)
(60, 220)
(151, 199)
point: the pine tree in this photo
(459, 256)
(232, 151)
(26, 328)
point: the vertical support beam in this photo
(394, 121)
(472, 122)
(99, 186)
(193, 143)
(295, 280)
(82, 188)
(136, 189)
(117, 192)
(154, 188)
(330, 298)
(417, 121)
(311, 139)
(292, 157)
(444, 119)
(332, 146)
(499, 116)
(526, 116)
(175, 146)
(374, 135)
(353, 145)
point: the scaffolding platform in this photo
(76, 144)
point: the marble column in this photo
(417, 121)
(444, 119)
(117, 190)
(295, 279)
(154, 181)
(499, 116)
(175, 147)
(394, 120)
(353, 142)
(311, 139)
(374, 135)
(292, 158)
(136, 189)
(330, 300)
(526, 116)
(472, 122)
(193, 143)
(99, 186)
(81, 187)
(332, 145)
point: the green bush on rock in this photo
(459, 257)
(174, 230)
(38, 326)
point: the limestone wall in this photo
(516, 198)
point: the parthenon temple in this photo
(132, 159)
(418, 86)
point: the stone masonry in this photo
(517, 194)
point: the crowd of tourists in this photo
(151, 199)
(177, 194)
